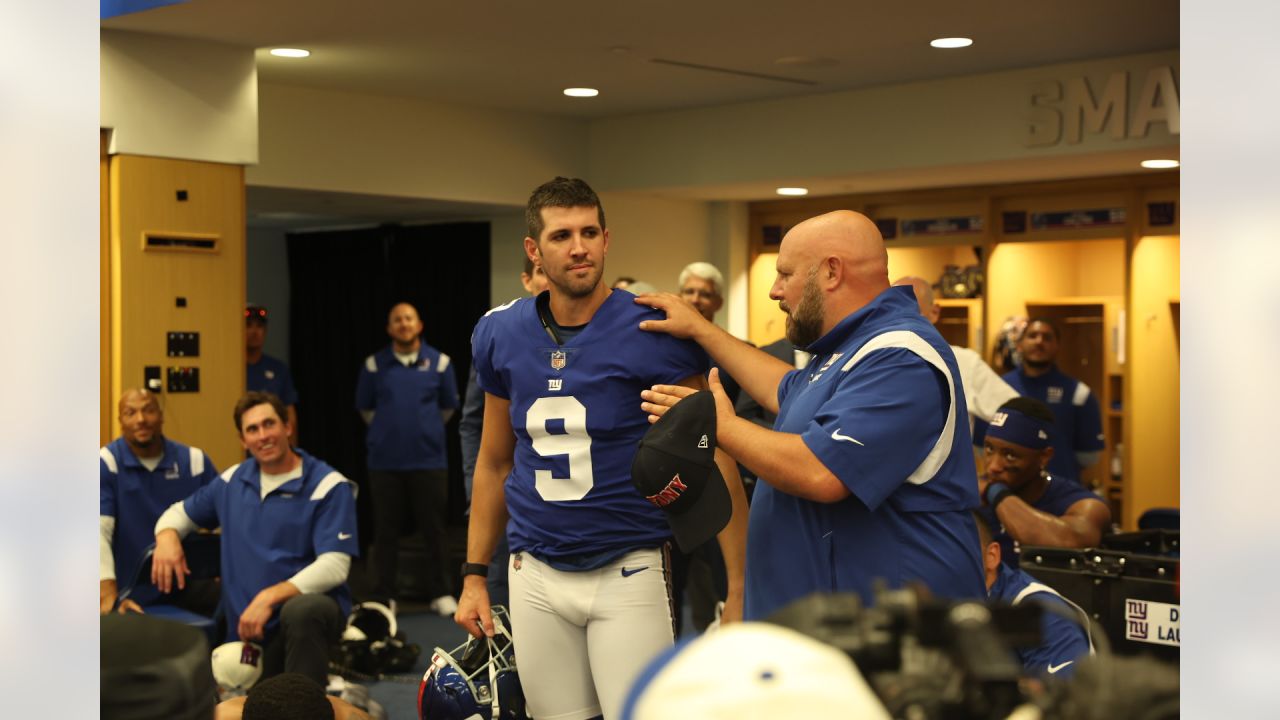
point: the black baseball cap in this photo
(675, 469)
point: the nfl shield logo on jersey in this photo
(557, 360)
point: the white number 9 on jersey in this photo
(575, 442)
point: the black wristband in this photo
(996, 492)
(470, 568)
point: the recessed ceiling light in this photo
(581, 92)
(955, 42)
(793, 191)
(290, 52)
(1160, 164)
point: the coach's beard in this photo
(804, 325)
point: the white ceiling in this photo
(519, 55)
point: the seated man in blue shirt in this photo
(264, 373)
(140, 474)
(1063, 640)
(1022, 502)
(288, 535)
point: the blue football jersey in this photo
(575, 410)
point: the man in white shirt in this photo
(984, 391)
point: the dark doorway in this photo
(342, 285)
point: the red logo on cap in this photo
(668, 494)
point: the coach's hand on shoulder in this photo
(473, 613)
(169, 562)
(683, 320)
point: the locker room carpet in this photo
(399, 696)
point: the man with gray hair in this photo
(702, 286)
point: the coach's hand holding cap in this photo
(675, 469)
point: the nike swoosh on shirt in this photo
(344, 536)
(1055, 668)
(835, 435)
(633, 571)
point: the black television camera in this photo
(931, 659)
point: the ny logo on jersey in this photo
(825, 366)
(558, 359)
(1054, 395)
(554, 384)
(703, 442)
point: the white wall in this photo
(328, 140)
(179, 98)
(267, 284)
(506, 255)
(730, 247)
(956, 121)
(652, 238)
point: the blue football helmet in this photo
(477, 679)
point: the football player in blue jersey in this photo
(1022, 501)
(1079, 440)
(562, 373)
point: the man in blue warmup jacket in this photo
(867, 473)
(406, 393)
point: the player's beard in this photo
(576, 287)
(804, 325)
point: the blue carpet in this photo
(428, 630)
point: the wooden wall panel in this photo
(106, 404)
(1152, 469)
(146, 285)
(1042, 271)
(766, 322)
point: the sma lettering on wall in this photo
(1064, 110)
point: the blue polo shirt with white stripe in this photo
(266, 541)
(881, 406)
(136, 497)
(407, 432)
(1075, 413)
(271, 375)
(1063, 640)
